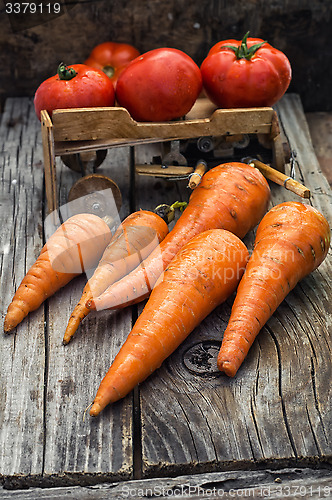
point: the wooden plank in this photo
(69, 147)
(308, 307)
(320, 126)
(307, 167)
(116, 123)
(77, 445)
(293, 483)
(156, 420)
(45, 386)
(160, 171)
(22, 352)
(278, 406)
(168, 400)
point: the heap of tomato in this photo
(163, 84)
(76, 86)
(245, 73)
(160, 85)
(112, 58)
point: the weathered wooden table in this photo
(187, 431)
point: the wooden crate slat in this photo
(71, 147)
(116, 123)
(49, 161)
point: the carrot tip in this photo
(95, 410)
(227, 367)
(8, 328)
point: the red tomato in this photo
(246, 73)
(76, 86)
(112, 58)
(160, 85)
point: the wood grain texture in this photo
(45, 387)
(22, 353)
(77, 444)
(307, 167)
(273, 484)
(300, 28)
(320, 126)
(278, 405)
(49, 161)
(186, 417)
(116, 123)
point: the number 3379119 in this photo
(32, 8)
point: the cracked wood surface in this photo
(22, 364)
(186, 418)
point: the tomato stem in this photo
(181, 205)
(167, 212)
(66, 73)
(109, 71)
(243, 51)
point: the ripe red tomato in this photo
(160, 85)
(245, 73)
(76, 86)
(112, 58)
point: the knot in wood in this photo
(201, 358)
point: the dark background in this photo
(301, 28)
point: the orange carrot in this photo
(200, 277)
(232, 196)
(74, 247)
(134, 240)
(291, 241)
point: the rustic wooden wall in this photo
(300, 28)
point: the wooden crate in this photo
(90, 129)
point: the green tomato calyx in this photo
(243, 51)
(109, 71)
(167, 212)
(66, 73)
